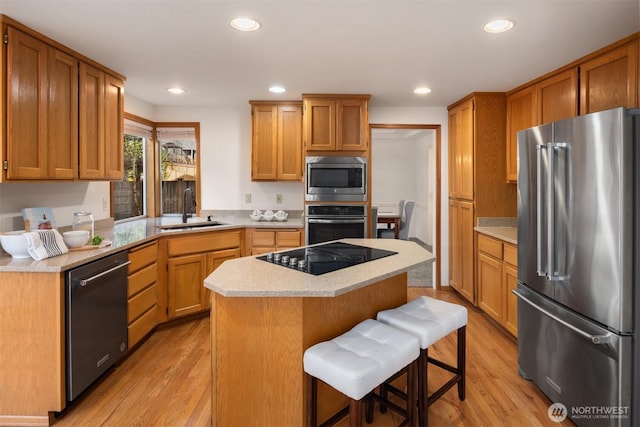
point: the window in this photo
(178, 165)
(160, 162)
(129, 195)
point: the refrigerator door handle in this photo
(554, 270)
(540, 269)
(595, 339)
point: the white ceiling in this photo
(385, 48)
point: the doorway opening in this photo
(405, 164)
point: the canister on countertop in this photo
(83, 220)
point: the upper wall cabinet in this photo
(42, 110)
(603, 80)
(554, 98)
(276, 153)
(64, 117)
(101, 125)
(336, 122)
(610, 80)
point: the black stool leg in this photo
(462, 360)
(355, 413)
(312, 400)
(422, 387)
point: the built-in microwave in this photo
(336, 178)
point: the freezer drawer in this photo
(574, 361)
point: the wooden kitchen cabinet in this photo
(610, 80)
(461, 151)
(605, 79)
(142, 292)
(336, 122)
(190, 259)
(276, 153)
(64, 112)
(101, 148)
(260, 240)
(553, 98)
(497, 277)
(461, 222)
(42, 110)
(477, 167)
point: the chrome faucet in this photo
(187, 204)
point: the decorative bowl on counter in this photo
(268, 215)
(15, 244)
(256, 215)
(281, 215)
(75, 238)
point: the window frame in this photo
(152, 177)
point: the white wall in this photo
(400, 171)
(225, 144)
(426, 116)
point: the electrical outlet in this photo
(278, 198)
(247, 198)
(105, 204)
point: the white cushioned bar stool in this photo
(357, 362)
(430, 319)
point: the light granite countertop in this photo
(505, 229)
(252, 277)
(507, 234)
(128, 234)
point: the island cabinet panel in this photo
(142, 292)
(42, 110)
(276, 141)
(497, 277)
(32, 360)
(64, 112)
(190, 259)
(336, 123)
(258, 344)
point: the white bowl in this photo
(75, 238)
(267, 217)
(15, 244)
(281, 216)
(257, 217)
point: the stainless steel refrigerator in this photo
(578, 265)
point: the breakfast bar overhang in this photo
(264, 316)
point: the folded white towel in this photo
(43, 244)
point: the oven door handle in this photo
(335, 221)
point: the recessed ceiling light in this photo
(422, 90)
(176, 90)
(499, 26)
(245, 24)
(277, 89)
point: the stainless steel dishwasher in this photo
(96, 320)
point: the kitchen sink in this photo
(189, 225)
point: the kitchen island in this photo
(264, 316)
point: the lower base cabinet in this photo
(143, 291)
(260, 241)
(497, 277)
(190, 259)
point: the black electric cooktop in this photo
(325, 258)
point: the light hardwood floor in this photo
(166, 382)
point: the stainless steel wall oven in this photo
(331, 222)
(335, 178)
